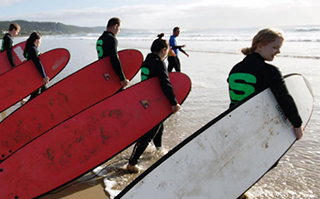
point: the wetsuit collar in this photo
(108, 32)
(258, 56)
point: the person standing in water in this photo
(31, 53)
(154, 66)
(107, 45)
(7, 42)
(253, 75)
(173, 59)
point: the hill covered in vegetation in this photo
(47, 28)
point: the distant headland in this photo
(47, 28)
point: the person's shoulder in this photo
(272, 67)
(273, 70)
(172, 38)
(7, 36)
(106, 35)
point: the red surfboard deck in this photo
(23, 80)
(18, 58)
(88, 139)
(66, 98)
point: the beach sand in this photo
(81, 191)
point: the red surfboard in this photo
(71, 95)
(88, 139)
(19, 82)
(18, 58)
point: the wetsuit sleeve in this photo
(7, 45)
(180, 48)
(165, 83)
(33, 55)
(114, 58)
(285, 100)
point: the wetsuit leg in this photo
(43, 88)
(34, 94)
(37, 92)
(171, 63)
(177, 66)
(157, 140)
(142, 144)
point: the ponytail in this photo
(159, 44)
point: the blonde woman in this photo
(253, 75)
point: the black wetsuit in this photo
(153, 66)
(32, 53)
(7, 44)
(106, 46)
(253, 75)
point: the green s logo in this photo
(99, 48)
(243, 89)
(144, 73)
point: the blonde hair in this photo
(263, 37)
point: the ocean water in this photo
(212, 54)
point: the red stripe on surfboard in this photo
(17, 53)
(23, 80)
(66, 98)
(88, 139)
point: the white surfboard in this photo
(228, 155)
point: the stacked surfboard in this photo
(79, 123)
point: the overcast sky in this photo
(188, 14)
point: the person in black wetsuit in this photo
(107, 45)
(253, 75)
(153, 66)
(31, 53)
(7, 42)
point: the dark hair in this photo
(113, 21)
(175, 29)
(159, 44)
(32, 38)
(14, 26)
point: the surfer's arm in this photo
(10, 57)
(299, 132)
(7, 45)
(165, 83)
(285, 100)
(180, 49)
(184, 52)
(115, 61)
(36, 60)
